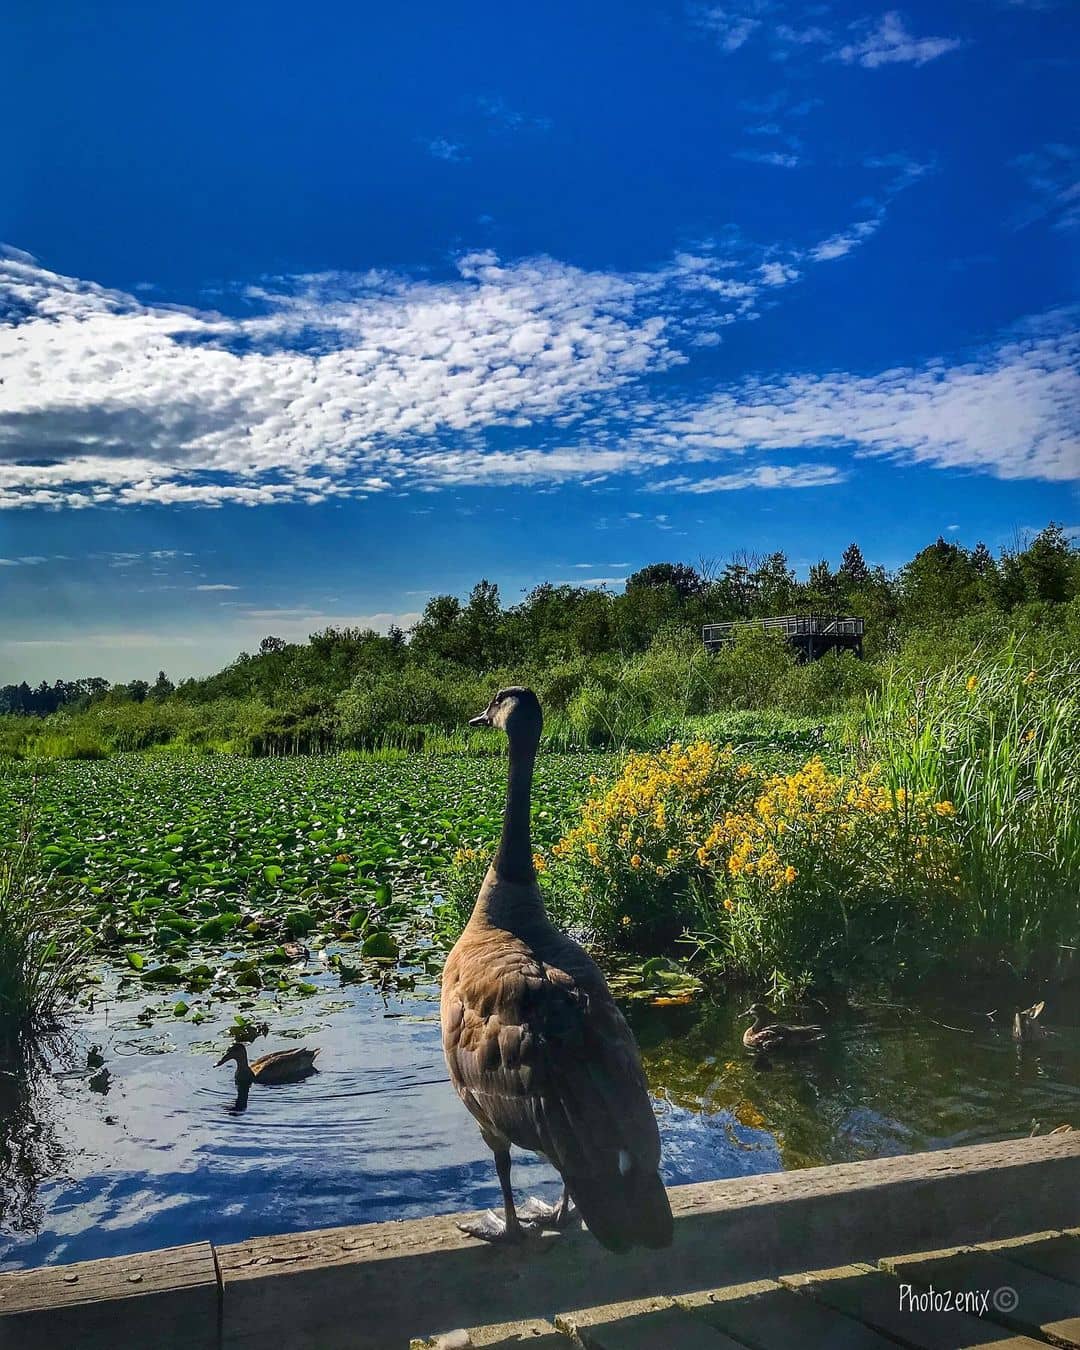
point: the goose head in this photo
(516, 711)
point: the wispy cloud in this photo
(886, 41)
(216, 586)
(779, 159)
(868, 42)
(730, 25)
(502, 117)
(1053, 179)
(762, 476)
(453, 152)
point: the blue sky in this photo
(307, 313)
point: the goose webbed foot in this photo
(538, 1214)
(491, 1228)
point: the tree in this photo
(938, 584)
(853, 568)
(272, 644)
(1049, 566)
(773, 586)
(822, 591)
(162, 687)
(681, 576)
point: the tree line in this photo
(562, 636)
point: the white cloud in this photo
(216, 586)
(887, 42)
(839, 245)
(533, 372)
(777, 273)
(1013, 411)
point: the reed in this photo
(42, 945)
(999, 737)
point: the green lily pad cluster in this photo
(222, 879)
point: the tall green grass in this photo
(42, 945)
(999, 737)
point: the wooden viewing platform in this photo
(815, 1258)
(812, 635)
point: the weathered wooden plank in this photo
(861, 1292)
(150, 1302)
(1054, 1254)
(352, 1287)
(1021, 1298)
(642, 1324)
(767, 1316)
(536, 1333)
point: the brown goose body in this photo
(766, 1034)
(540, 1054)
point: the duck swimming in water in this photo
(283, 1066)
(537, 1048)
(765, 1033)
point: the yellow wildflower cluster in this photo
(694, 814)
(650, 814)
(808, 821)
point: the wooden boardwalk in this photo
(815, 1258)
(1013, 1295)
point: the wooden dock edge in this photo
(373, 1286)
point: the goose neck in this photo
(514, 860)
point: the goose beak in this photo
(482, 721)
(223, 1060)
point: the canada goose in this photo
(1026, 1025)
(283, 1066)
(536, 1047)
(764, 1035)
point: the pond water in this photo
(141, 1152)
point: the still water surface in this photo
(143, 1153)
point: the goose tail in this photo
(624, 1210)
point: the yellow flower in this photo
(626, 920)
(1030, 734)
(790, 874)
(635, 861)
(729, 905)
(945, 808)
(973, 680)
(539, 863)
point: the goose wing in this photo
(546, 1061)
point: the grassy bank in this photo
(947, 833)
